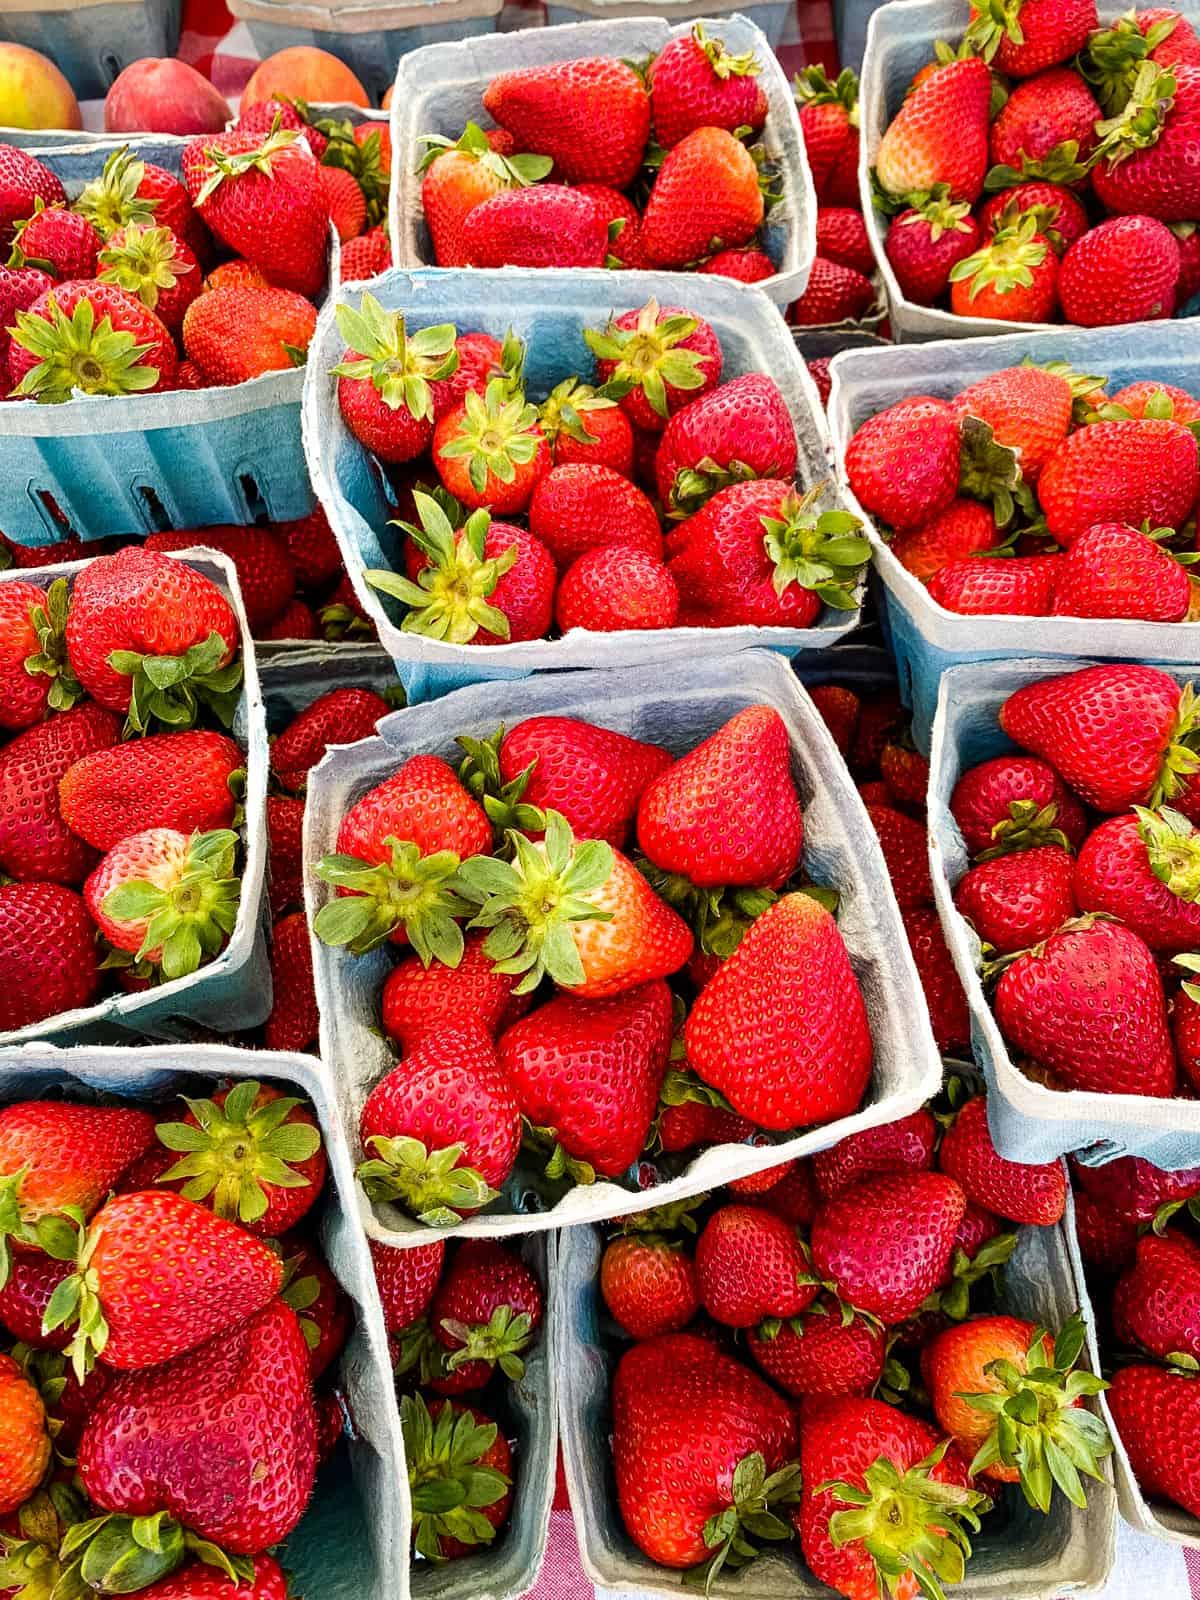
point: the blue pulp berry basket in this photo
(92, 41)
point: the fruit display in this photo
(1038, 167)
(846, 1364)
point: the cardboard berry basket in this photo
(900, 41)
(769, 15)
(1018, 1554)
(1030, 1122)
(925, 638)
(233, 990)
(353, 1540)
(91, 41)
(549, 310)
(680, 707)
(440, 89)
(135, 464)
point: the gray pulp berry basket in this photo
(136, 464)
(549, 310)
(926, 639)
(353, 1541)
(1029, 1122)
(900, 40)
(684, 705)
(91, 41)
(233, 990)
(1019, 1555)
(771, 16)
(440, 89)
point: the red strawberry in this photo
(1135, 1190)
(1123, 270)
(202, 1582)
(60, 242)
(1029, 35)
(829, 120)
(486, 1312)
(406, 1279)
(905, 854)
(418, 1000)
(742, 429)
(616, 587)
(840, 708)
(155, 266)
(285, 853)
(940, 983)
(940, 134)
(1015, 901)
(585, 428)
(169, 780)
(821, 1352)
(905, 771)
(388, 380)
(34, 676)
(1028, 409)
(25, 1449)
(1124, 471)
(1105, 1240)
(312, 546)
(35, 842)
(623, 221)
(460, 176)
(835, 293)
(233, 335)
(264, 568)
(344, 201)
(1189, 266)
(749, 1266)
(48, 960)
(1047, 125)
(965, 528)
(902, 463)
(592, 116)
(781, 1030)
(1006, 802)
(365, 257)
(88, 337)
(340, 716)
(906, 1145)
(1060, 214)
(547, 225)
(696, 82)
(19, 288)
(692, 1123)
(1185, 1028)
(264, 115)
(1027, 1194)
(1149, 397)
(706, 197)
(294, 1021)
(168, 899)
(580, 507)
(1157, 1302)
(32, 1279)
(1158, 34)
(842, 238)
(1156, 1412)
(924, 242)
(24, 181)
(1013, 276)
(1143, 164)
(747, 266)
(648, 1284)
(489, 451)
(454, 1451)
(1141, 868)
(655, 361)
(1021, 587)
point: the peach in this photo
(33, 92)
(162, 95)
(303, 72)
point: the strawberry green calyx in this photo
(723, 62)
(718, 917)
(192, 920)
(1181, 759)
(233, 1150)
(364, 162)
(1006, 262)
(1027, 827)
(935, 207)
(117, 1554)
(823, 551)
(694, 486)
(531, 902)
(994, 21)
(450, 597)
(1114, 56)
(171, 689)
(1172, 849)
(953, 1300)
(431, 1184)
(543, 1146)
(1060, 165)
(145, 264)
(1138, 125)
(991, 472)
(479, 774)
(750, 1517)
(647, 356)
(418, 893)
(499, 1341)
(260, 159)
(54, 1233)
(494, 434)
(1040, 1429)
(1189, 963)
(78, 355)
(813, 88)
(449, 1484)
(416, 1350)
(1085, 386)
(50, 624)
(909, 1523)
(400, 367)
(30, 1566)
(515, 171)
(565, 410)
(17, 256)
(300, 1293)
(659, 1222)
(112, 201)
(1045, 216)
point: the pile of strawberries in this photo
(170, 1330)
(1046, 170)
(868, 1284)
(543, 972)
(118, 812)
(597, 162)
(1089, 499)
(1084, 887)
(714, 460)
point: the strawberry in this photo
(702, 1447)
(25, 1453)
(34, 676)
(1114, 54)
(152, 1436)
(59, 241)
(1023, 37)
(582, 427)
(418, 1000)
(460, 176)
(441, 1129)
(886, 1506)
(741, 429)
(829, 120)
(965, 528)
(591, 116)
(623, 221)
(169, 780)
(236, 274)
(1048, 122)
(155, 266)
(295, 621)
(842, 238)
(233, 335)
(781, 1030)
(586, 1075)
(1131, 471)
(386, 380)
(547, 225)
(1123, 270)
(905, 771)
(1106, 1241)
(199, 1581)
(760, 554)
(294, 1021)
(88, 337)
(1060, 214)
(926, 241)
(454, 1452)
(902, 463)
(47, 953)
(696, 82)
(340, 716)
(1028, 409)
(266, 576)
(821, 1352)
(906, 1145)
(1015, 901)
(170, 900)
(23, 182)
(905, 854)
(1021, 587)
(263, 198)
(580, 507)
(839, 707)
(1089, 1005)
(406, 1279)
(261, 117)
(136, 607)
(747, 266)
(749, 1267)
(489, 451)
(654, 361)
(35, 842)
(344, 201)
(1156, 1413)
(365, 256)
(648, 1284)
(1189, 266)
(285, 852)
(1141, 868)
(32, 1280)
(944, 994)
(706, 197)
(694, 819)
(1185, 1028)
(1136, 1191)
(312, 546)
(19, 288)
(1035, 1194)
(1006, 802)
(133, 191)
(1156, 1304)
(834, 294)
(1148, 397)
(486, 1313)
(1145, 154)
(616, 587)
(1013, 276)
(940, 134)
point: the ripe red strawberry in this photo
(829, 120)
(1123, 270)
(584, 428)
(34, 676)
(406, 1279)
(60, 242)
(340, 716)
(294, 1021)
(696, 82)
(151, 1438)
(169, 780)
(1105, 1240)
(692, 1123)
(1135, 398)
(821, 1352)
(655, 360)
(1089, 1005)
(1144, 154)
(25, 1451)
(741, 429)
(133, 191)
(312, 546)
(489, 451)
(902, 463)
(616, 587)
(418, 1000)
(388, 380)
(1123, 471)
(167, 898)
(203, 1582)
(623, 221)
(153, 265)
(365, 256)
(455, 1451)
(1023, 586)
(648, 1284)
(547, 225)
(1185, 1028)
(580, 507)
(35, 842)
(263, 198)
(906, 1145)
(266, 576)
(236, 274)
(285, 854)
(587, 1073)
(48, 960)
(32, 1279)
(905, 854)
(1026, 37)
(905, 771)
(88, 337)
(1047, 123)
(1006, 802)
(1015, 901)
(275, 111)
(345, 202)
(781, 1030)
(747, 266)
(1013, 276)
(1156, 1412)
(840, 708)
(592, 116)
(1157, 1302)
(940, 983)
(1028, 409)
(926, 241)
(940, 134)
(1034, 1194)
(460, 176)
(485, 1314)
(965, 528)
(842, 238)
(685, 1416)
(233, 335)
(1141, 867)
(1189, 268)
(835, 293)
(23, 182)
(706, 197)
(695, 818)
(749, 1266)
(1135, 1190)
(1060, 214)
(19, 288)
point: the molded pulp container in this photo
(681, 706)
(900, 40)
(353, 1540)
(925, 638)
(770, 15)
(440, 89)
(136, 464)
(1019, 1555)
(1028, 1121)
(91, 41)
(549, 310)
(233, 990)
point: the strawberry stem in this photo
(450, 598)
(647, 356)
(430, 1184)
(398, 366)
(420, 894)
(753, 1494)
(450, 1488)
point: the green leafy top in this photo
(190, 921)
(171, 689)
(497, 433)
(514, 172)
(732, 1535)
(420, 894)
(565, 409)
(1114, 55)
(229, 164)
(111, 201)
(398, 366)
(813, 88)
(648, 356)
(78, 355)
(1060, 165)
(824, 551)
(146, 263)
(450, 1486)
(1006, 261)
(49, 623)
(1138, 124)
(722, 60)
(992, 22)
(504, 803)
